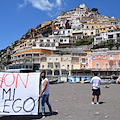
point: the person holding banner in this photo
(44, 95)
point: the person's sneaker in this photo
(43, 116)
(92, 103)
(97, 103)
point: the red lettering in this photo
(11, 79)
(25, 84)
(2, 80)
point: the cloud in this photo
(53, 7)
(44, 5)
(58, 2)
(22, 5)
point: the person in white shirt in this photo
(44, 95)
(96, 81)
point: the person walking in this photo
(44, 95)
(96, 81)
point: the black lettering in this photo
(4, 91)
(17, 106)
(26, 102)
(5, 106)
(13, 93)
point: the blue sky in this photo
(18, 16)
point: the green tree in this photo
(110, 45)
(117, 45)
(94, 10)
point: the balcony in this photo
(21, 62)
(37, 61)
(43, 60)
(50, 61)
(43, 68)
(35, 56)
(29, 56)
(111, 59)
(84, 63)
(74, 60)
(56, 61)
(17, 62)
(63, 68)
(49, 68)
(56, 68)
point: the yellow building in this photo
(98, 26)
(62, 65)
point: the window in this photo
(50, 59)
(83, 60)
(41, 40)
(48, 66)
(92, 27)
(56, 59)
(51, 65)
(110, 36)
(106, 65)
(85, 33)
(65, 72)
(87, 27)
(84, 66)
(104, 57)
(118, 35)
(61, 40)
(67, 67)
(91, 33)
(68, 31)
(56, 66)
(111, 56)
(48, 40)
(114, 65)
(63, 66)
(93, 57)
(67, 59)
(72, 67)
(97, 65)
(42, 66)
(63, 32)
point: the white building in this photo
(63, 32)
(103, 37)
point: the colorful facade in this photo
(106, 63)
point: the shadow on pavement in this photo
(102, 102)
(25, 117)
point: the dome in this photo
(82, 6)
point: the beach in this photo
(72, 101)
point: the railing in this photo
(74, 60)
(43, 60)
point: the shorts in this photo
(96, 92)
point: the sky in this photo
(18, 16)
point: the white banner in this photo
(19, 93)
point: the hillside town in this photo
(76, 43)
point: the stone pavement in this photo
(73, 102)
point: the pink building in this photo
(106, 63)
